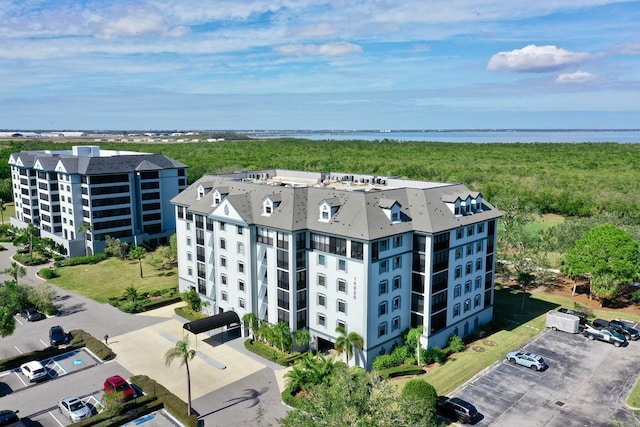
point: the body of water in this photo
(475, 136)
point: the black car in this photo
(624, 329)
(32, 315)
(57, 336)
(9, 418)
(456, 409)
(581, 316)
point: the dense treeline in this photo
(569, 179)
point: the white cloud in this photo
(139, 22)
(535, 59)
(576, 77)
(327, 49)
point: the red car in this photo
(117, 383)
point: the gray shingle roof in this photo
(359, 213)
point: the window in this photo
(224, 296)
(223, 279)
(322, 320)
(222, 224)
(382, 287)
(223, 261)
(458, 272)
(342, 306)
(478, 283)
(188, 226)
(397, 262)
(342, 265)
(241, 285)
(322, 280)
(241, 248)
(384, 245)
(384, 266)
(382, 308)
(341, 324)
(189, 256)
(467, 305)
(470, 230)
(322, 259)
(342, 286)
(479, 264)
(223, 244)
(397, 241)
(467, 287)
(459, 233)
(479, 246)
(456, 310)
(325, 215)
(322, 300)
(481, 227)
(240, 229)
(457, 291)
(241, 302)
(395, 323)
(468, 268)
(241, 267)
(190, 271)
(396, 283)
(395, 304)
(476, 300)
(469, 249)
(458, 253)
(382, 329)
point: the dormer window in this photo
(269, 204)
(219, 194)
(325, 214)
(328, 208)
(395, 216)
(200, 192)
(391, 208)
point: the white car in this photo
(34, 371)
(74, 409)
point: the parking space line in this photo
(54, 417)
(43, 343)
(18, 374)
(18, 320)
(16, 347)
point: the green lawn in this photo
(10, 210)
(111, 277)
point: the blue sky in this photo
(313, 64)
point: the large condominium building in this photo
(373, 254)
(121, 194)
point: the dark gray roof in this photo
(212, 322)
(359, 214)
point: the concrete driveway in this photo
(586, 384)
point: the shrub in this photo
(2, 248)
(455, 344)
(25, 259)
(189, 314)
(400, 354)
(91, 259)
(48, 273)
(434, 355)
(266, 351)
(421, 391)
(635, 296)
(384, 361)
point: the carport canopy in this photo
(212, 322)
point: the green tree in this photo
(7, 321)
(353, 397)
(114, 247)
(2, 209)
(252, 322)
(14, 296)
(42, 297)
(348, 343)
(15, 271)
(184, 354)
(412, 340)
(138, 253)
(303, 337)
(609, 255)
(84, 229)
(282, 336)
(421, 391)
(27, 236)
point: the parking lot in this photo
(586, 384)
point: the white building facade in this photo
(375, 255)
(121, 194)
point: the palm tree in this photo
(15, 271)
(138, 252)
(303, 337)
(2, 209)
(131, 294)
(184, 354)
(252, 321)
(84, 229)
(348, 342)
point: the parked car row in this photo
(616, 332)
